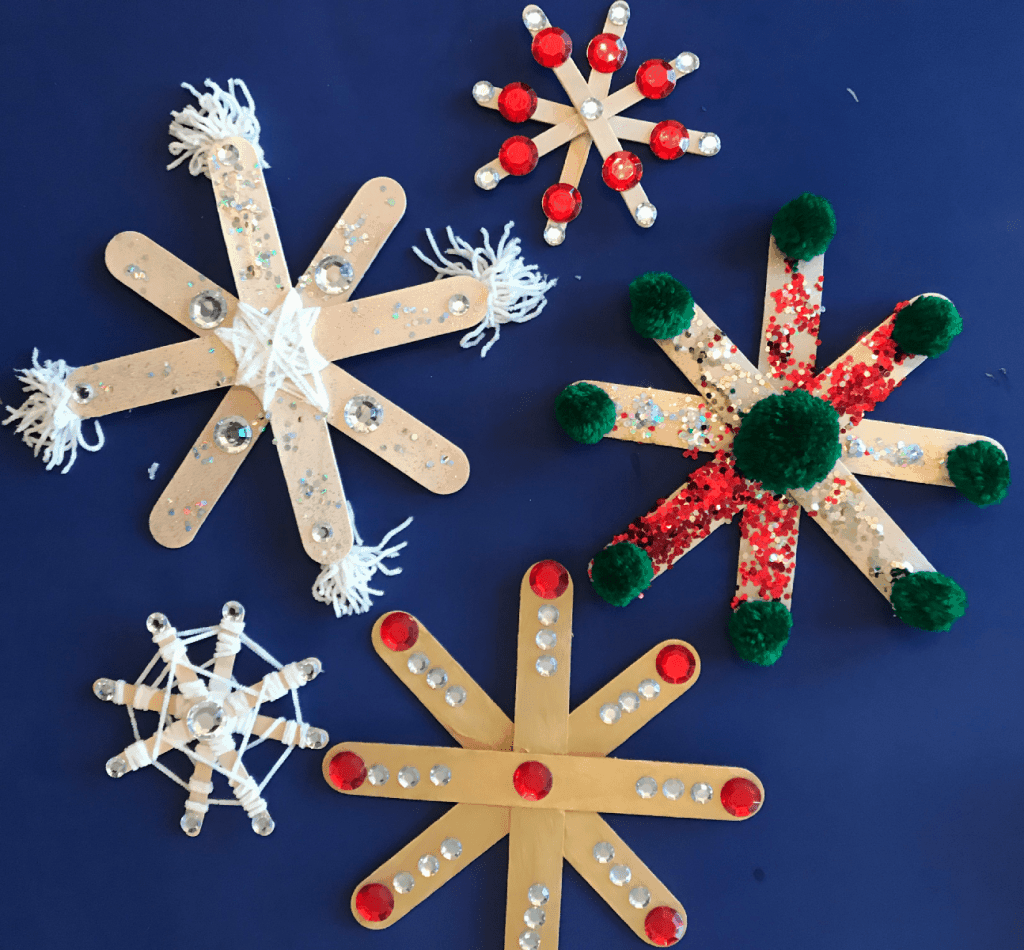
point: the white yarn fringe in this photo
(220, 116)
(516, 289)
(345, 585)
(45, 420)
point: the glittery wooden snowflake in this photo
(541, 780)
(202, 708)
(593, 118)
(729, 387)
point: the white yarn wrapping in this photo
(220, 116)
(345, 584)
(276, 351)
(516, 290)
(46, 421)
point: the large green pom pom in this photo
(981, 471)
(585, 411)
(759, 630)
(927, 326)
(662, 307)
(928, 600)
(804, 228)
(788, 440)
(620, 572)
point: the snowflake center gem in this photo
(204, 719)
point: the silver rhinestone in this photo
(408, 776)
(618, 13)
(208, 309)
(487, 178)
(649, 689)
(418, 662)
(639, 897)
(483, 91)
(233, 611)
(629, 701)
(620, 875)
(534, 917)
(537, 894)
(322, 531)
(104, 689)
(548, 615)
(645, 214)
(451, 849)
(333, 275)
(428, 865)
(672, 789)
(316, 738)
(227, 154)
(685, 63)
(702, 793)
(436, 678)
(440, 775)
(554, 234)
(546, 639)
(378, 775)
(363, 413)
(591, 108)
(455, 695)
(604, 851)
(191, 823)
(404, 882)
(529, 940)
(204, 719)
(262, 824)
(534, 19)
(310, 669)
(646, 787)
(547, 665)
(709, 144)
(157, 623)
(116, 767)
(458, 304)
(610, 713)
(83, 393)
(232, 434)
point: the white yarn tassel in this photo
(345, 585)
(46, 421)
(220, 116)
(516, 289)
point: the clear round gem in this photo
(458, 304)
(116, 767)
(483, 91)
(191, 823)
(548, 615)
(672, 789)
(685, 63)
(647, 787)
(232, 434)
(310, 669)
(233, 611)
(629, 702)
(227, 154)
(403, 882)
(418, 662)
(620, 875)
(645, 214)
(529, 940)
(408, 776)
(649, 689)
(487, 178)
(547, 665)
(702, 793)
(591, 108)
(546, 639)
(455, 695)
(709, 144)
(104, 689)
(83, 393)
(204, 719)
(262, 824)
(618, 13)
(436, 678)
(333, 275)
(363, 413)
(451, 849)
(428, 865)
(604, 851)
(208, 309)
(537, 894)
(316, 738)
(639, 897)
(534, 917)
(554, 234)
(440, 775)
(534, 19)
(378, 775)
(157, 623)
(610, 713)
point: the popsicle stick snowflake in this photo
(271, 349)
(541, 780)
(785, 438)
(593, 118)
(202, 708)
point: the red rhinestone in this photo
(562, 202)
(664, 926)
(622, 170)
(517, 102)
(741, 797)
(675, 664)
(532, 781)
(606, 52)
(347, 771)
(551, 47)
(548, 579)
(656, 78)
(518, 155)
(374, 902)
(669, 139)
(399, 631)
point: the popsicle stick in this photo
(182, 672)
(173, 736)
(478, 722)
(547, 141)
(861, 528)
(145, 698)
(632, 900)
(548, 112)
(221, 676)
(542, 677)
(534, 862)
(267, 727)
(637, 130)
(769, 531)
(475, 827)
(639, 693)
(237, 775)
(393, 434)
(198, 789)
(207, 470)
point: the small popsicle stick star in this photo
(785, 438)
(201, 709)
(593, 118)
(542, 779)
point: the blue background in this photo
(892, 758)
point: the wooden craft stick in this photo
(173, 736)
(151, 700)
(198, 796)
(547, 141)
(477, 722)
(636, 130)
(182, 673)
(267, 727)
(475, 827)
(548, 112)
(639, 693)
(534, 875)
(769, 531)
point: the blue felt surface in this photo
(892, 758)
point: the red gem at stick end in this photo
(374, 902)
(347, 771)
(551, 47)
(518, 155)
(606, 52)
(548, 579)
(664, 926)
(622, 170)
(741, 797)
(517, 102)
(669, 139)
(675, 664)
(656, 78)
(562, 203)
(399, 631)
(532, 781)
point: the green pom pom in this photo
(620, 572)
(585, 411)
(804, 228)
(928, 600)
(927, 326)
(759, 630)
(788, 440)
(981, 471)
(662, 307)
